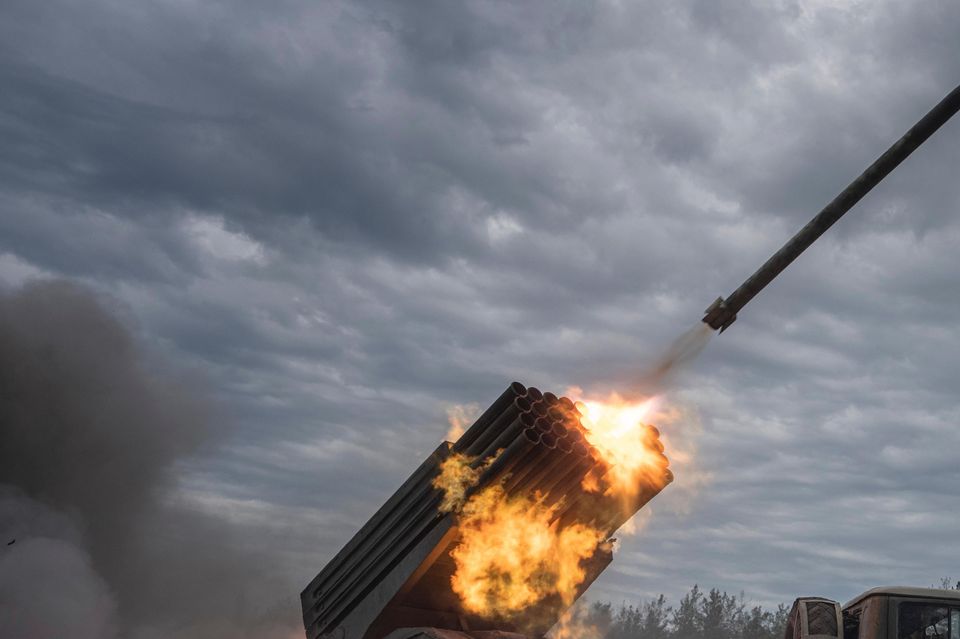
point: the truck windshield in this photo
(928, 621)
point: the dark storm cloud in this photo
(351, 215)
(338, 145)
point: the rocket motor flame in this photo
(513, 551)
(631, 448)
(510, 557)
(457, 475)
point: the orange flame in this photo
(513, 551)
(628, 445)
(455, 478)
(510, 557)
(575, 623)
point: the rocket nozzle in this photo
(719, 316)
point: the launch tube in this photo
(497, 426)
(504, 463)
(540, 408)
(514, 390)
(523, 421)
(407, 492)
(528, 465)
(409, 528)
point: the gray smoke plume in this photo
(47, 581)
(681, 352)
(90, 428)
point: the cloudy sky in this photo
(333, 221)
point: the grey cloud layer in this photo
(351, 215)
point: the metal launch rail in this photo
(723, 312)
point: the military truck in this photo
(880, 613)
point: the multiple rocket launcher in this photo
(396, 571)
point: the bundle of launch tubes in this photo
(396, 571)
(539, 445)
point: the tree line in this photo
(700, 614)
(711, 614)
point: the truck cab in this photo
(880, 613)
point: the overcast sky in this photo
(347, 217)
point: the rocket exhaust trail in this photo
(683, 350)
